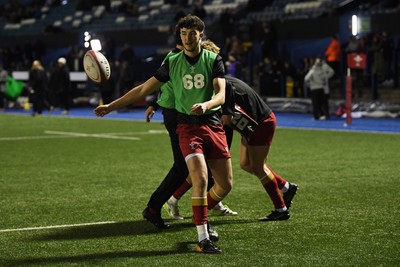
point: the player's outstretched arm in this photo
(134, 95)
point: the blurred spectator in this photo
(234, 66)
(387, 51)
(3, 80)
(276, 79)
(37, 86)
(382, 52)
(290, 76)
(264, 72)
(301, 72)
(376, 50)
(60, 86)
(236, 47)
(270, 77)
(333, 54)
(268, 40)
(317, 80)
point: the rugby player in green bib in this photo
(197, 79)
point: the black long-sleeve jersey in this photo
(241, 94)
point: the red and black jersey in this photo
(241, 94)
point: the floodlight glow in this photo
(354, 25)
(86, 44)
(95, 44)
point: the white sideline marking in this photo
(91, 135)
(72, 134)
(142, 133)
(54, 227)
(29, 138)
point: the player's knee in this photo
(227, 185)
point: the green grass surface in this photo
(346, 212)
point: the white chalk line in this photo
(54, 227)
(91, 135)
(17, 138)
(62, 134)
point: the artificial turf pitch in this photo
(72, 191)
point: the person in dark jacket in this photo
(37, 86)
(60, 86)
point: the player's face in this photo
(191, 39)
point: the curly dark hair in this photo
(190, 21)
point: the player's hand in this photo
(101, 110)
(226, 119)
(198, 109)
(149, 113)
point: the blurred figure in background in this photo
(332, 54)
(3, 80)
(37, 86)
(317, 80)
(233, 66)
(268, 40)
(60, 86)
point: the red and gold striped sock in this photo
(213, 199)
(281, 182)
(271, 186)
(199, 207)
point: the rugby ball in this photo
(96, 66)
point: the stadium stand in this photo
(156, 12)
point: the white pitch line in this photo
(54, 227)
(16, 138)
(142, 133)
(91, 135)
(72, 134)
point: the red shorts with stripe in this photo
(209, 140)
(264, 132)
